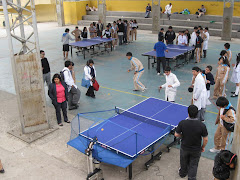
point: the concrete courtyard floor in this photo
(49, 158)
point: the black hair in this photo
(94, 23)
(162, 29)
(67, 30)
(129, 54)
(56, 76)
(68, 63)
(72, 63)
(223, 52)
(192, 111)
(222, 101)
(89, 62)
(84, 28)
(114, 21)
(161, 38)
(167, 68)
(86, 4)
(202, 5)
(198, 32)
(41, 51)
(120, 19)
(201, 28)
(227, 45)
(206, 28)
(76, 27)
(196, 69)
(238, 59)
(109, 24)
(227, 157)
(170, 3)
(170, 27)
(209, 67)
(135, 21)
(195, 27)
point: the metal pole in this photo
(21, 25)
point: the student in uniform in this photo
(182, 39)
(209, 79)
(148, 10)
(199, 93)
(205, 42)
(76, 33)
(204, 37)
(221, 77)
(170, 35)
(65, 39)
(160, 47)
(45, 68)
(187, 34)
(193, 40)
(198, 46)
(115, 35)
(228, 114)
(99, 28)
(134, 29)
(236, 76)
(171, 85)
(90, 74)
(92, 31)
(125, 22)
(84, 33)
(168, 9)
(120, 30)
(161, 33)
(229, 52)
(138, 68)
(108, 35)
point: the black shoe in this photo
(234, 95)
(93, 96)
(135, 90)
(233, 92)
(67, 121)
(72, 107)
(87, 94)
(2, 171)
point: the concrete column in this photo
(156, 16)
(227, 20)
(102, 11)
(60, 13)
(236, 143)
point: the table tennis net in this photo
(142, 118)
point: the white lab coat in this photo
(168, 9)
(87, 72)
(236, 74)
(182, 40)
(200, 92)
(205, 42)
(193, 39)
(170, 92)
(68, 78)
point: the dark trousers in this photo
(120, 38)
(159, 60)
(189, 163)
(73, 97)
(58, 107)
(90, 91)
(125, 38)
(192, 55)
(170, 42)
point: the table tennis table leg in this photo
(84, 50)
(130, 171)
(149, 62)
(153, 158)
(111, 46)
(71, 51)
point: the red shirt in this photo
(60, 93)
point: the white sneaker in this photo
(158, 74)
(213, 150)
(143, 90)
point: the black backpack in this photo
(227, 125)
(62, 75)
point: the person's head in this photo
(120, 20)
(67, 30)
(56, 78)
(134, 21)
(99, 21)
(107, 27)
(85, 29)
(198, 33)
(195, 70)
(180, 32)
(208, 69)
(167, 70)
(228, 158)
(195, 29)
(42, 54)
(186, 31)
(202, 6)
(114, 23)
(222, 102)
(206, 29)
(170, 4)
(161, 38)
(129, 55)
(76, 27)
(94, 23)
(162, 29)
(91, 25)
(192, 111)
(170, 28)
(68, 64)
(227, 46)
(223, 53)
(199, 27)
(201, 30)
(90, 63)
(86, 4)
(148, 4)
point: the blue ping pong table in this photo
(91, 43)
(123, 137)
(174, 52)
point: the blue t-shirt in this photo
(160, 47)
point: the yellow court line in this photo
(137, 95)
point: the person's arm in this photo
(178, 132)
(211, 79)
(205, 141)
(218, 118)
(197, 91)
(87, 72)
(50, 93)
(174, 35)
(176, 82)
(177, 135)
(226, 75)
(73, 32)
(154, 48)
(67, 79)
(70, 37)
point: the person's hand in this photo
(208, 81)
(167, 51)
(135, 72)
(195, 99)
(203, 149)
(169, 85)
(128, 70)
(222, 116)
(160, 87)
(233, 65)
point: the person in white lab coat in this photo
(168, 10)
(199, 93)
(171, 85)
(236, 76)
(205, 42)
(90, 74)
(182, 39)
(193, 40)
